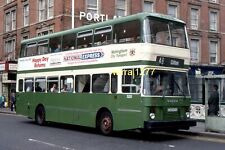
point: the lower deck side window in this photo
(29, 85)
(82, 83)
(40, 85)
(66, 84)
(20, 85)
(52, 84)
(131, 80)
(100, 83)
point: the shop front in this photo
(7, 79)
(197, 87)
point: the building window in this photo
(44, 32)
(46, 9)
(173, 10)
(194, 22)
(148, 6)
(8, 1)
(25, 37)
(121, 7)
(10, 20)
(92, 6)
(26, 15)
(213, 21)
(50, 8)
(213, 1)
(195, 49)
(42, 10)
(10, 48)
(213, 50)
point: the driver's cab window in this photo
(165, 83)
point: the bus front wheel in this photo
(105, 123)
(40, 115)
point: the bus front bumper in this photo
(168, 125)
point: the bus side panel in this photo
(81, 108)
(129, 110)
(21, 104)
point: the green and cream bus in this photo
(126, 73)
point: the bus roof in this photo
(105, 23)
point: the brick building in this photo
(22, 19)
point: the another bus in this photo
(125, 73)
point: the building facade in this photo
(23, 19)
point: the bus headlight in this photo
(152, 116)
(188, 114)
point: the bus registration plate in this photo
(172, 109)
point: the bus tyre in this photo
(40, 115)
(105, 124)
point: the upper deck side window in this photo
(34, 48)
(165, 32)
(84, 39)
(31, 49)
(69, 42)
(103, 36)
(42, 47)
(55, 44)
(23, 50)
(127, 32)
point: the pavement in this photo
(198, 130)
(7, 111)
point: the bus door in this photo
(214, 98)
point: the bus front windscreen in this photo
(166, 83)
(165, 32)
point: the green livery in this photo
(127, 73)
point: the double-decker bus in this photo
(126, 73)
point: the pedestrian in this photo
(13, 99)
(2, 101)
(214, 102)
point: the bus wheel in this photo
(40, 115)
(106, 123)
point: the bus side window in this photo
(84, 39)
(55, 45)
(69, 42)
(82, 83)
(131, 80)
(128, 32)
(31, 49)
(20, 85)
(40, 85)
(103, 36)
(159, 32)
(114, 83)
(66, 84)
(29, 85)
(52, 84)
(23, 50)
(100, 83)
(42, 47)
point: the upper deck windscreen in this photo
(165, 32)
